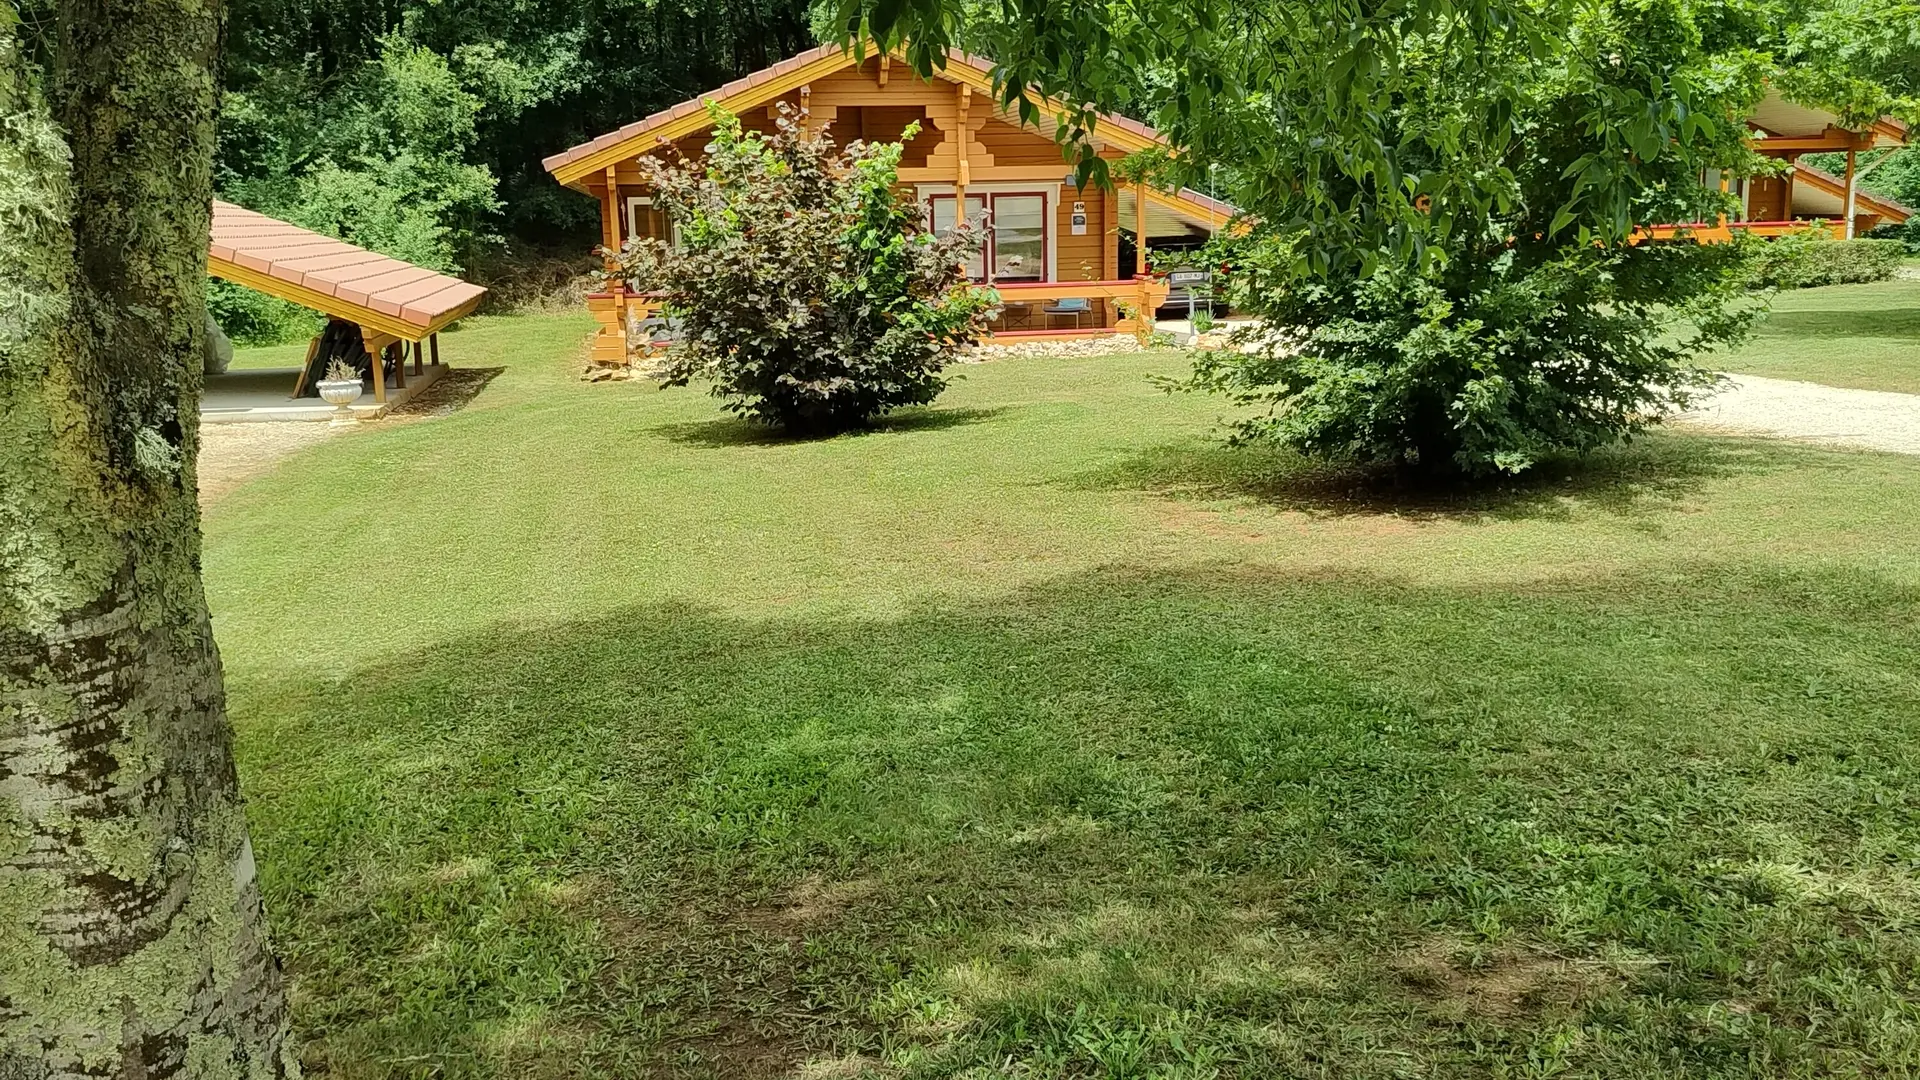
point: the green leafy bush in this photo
(1805, 259)
(810, 292)
(1484, 369)
(254, 318)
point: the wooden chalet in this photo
(1054, 251)
(1803, 197)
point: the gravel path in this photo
(1870, 419)
(231, 454)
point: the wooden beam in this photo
(1139, 230)
(1110, 230)
(610, 224)
(886, 59)
(300, 381)
(434, 340)
(378, 355)
(964, 100)
(1848, 209)
(1832, 139)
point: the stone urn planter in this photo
(340, 393)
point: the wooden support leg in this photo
(379, 375)
(399, 365)
(419, 357)
(300, 380)
(434, 341)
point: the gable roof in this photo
(573, 165)
(334, 277)
(1835, 189)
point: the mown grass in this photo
(1862, 336)
(1035, 734)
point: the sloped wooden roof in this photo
(574, 165)
(1818, 193)
(334, 277)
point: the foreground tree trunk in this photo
(132, 942)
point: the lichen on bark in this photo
(132, 941)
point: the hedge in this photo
(1804, 260)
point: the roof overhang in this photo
(334, 277)
(573, 167)
(1787, 126)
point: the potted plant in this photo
(340, 389)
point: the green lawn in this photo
(1862, 336)
(1034, 735)
(272, 356)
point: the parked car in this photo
(1176, 306)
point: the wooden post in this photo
(964, 100)
(1110, 228)
(1139, 230)
(419, 360)
(1786, 208)
(399, 364)
(379, 373)
(300, 381)
(1850, 200)
(885, 59)
(1143, 322)
(610, 226)
(806, 109)
(434, 340)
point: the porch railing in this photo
(615, 311)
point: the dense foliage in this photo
(808, 290)
(1440, 200)
(1804, 260)
(416, 128)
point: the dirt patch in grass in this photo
(813, 902)
(742, 1007)
(1503, 984)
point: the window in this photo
(943, 222)
(638, 209)
(1016, 246)
(1019, 237)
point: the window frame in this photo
(989, 250)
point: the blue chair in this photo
(1075, 306)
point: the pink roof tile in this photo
(336, 269)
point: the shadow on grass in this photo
(1653, 470)
(733, 431)
(450, 393)
(1830, 328)
(1128, 816)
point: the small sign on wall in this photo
(1079, 219)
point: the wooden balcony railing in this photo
(617, 310)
